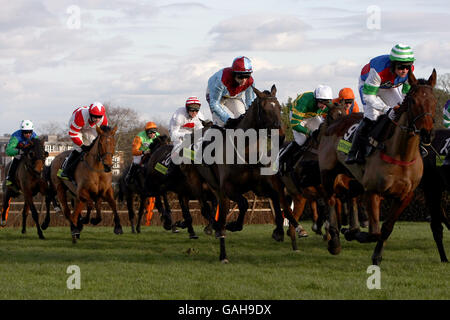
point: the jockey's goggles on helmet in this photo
(346, 101)
(150, 131)
(243, 76)
(192, 110)
(27, 131)
(324, 101)
(94, 116)
(403, 66)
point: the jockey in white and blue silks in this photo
(230, 92)
(383, 84)
(446, 120)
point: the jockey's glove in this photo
(391, 114)
(84, 148)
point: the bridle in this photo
(99, 156)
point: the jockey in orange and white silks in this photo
(82, 131)
(185, 120)
(230, 92)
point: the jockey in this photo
(230, 92)
(19, 140)
(82, 131)
(307, 113)
(382, 85)
(141, 145)
(185, 120)
(347, 98)
(446, 120)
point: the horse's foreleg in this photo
(48, 200)
(130, 208)
(5, 207)
(238, 224)
(75, 223)
(433, 201)
(299, 207)
(24, 216)
(98, 213)
(142, 202)
(112, 203)
(219, 225)
(334, 244)
(388, 225)
(184, 203)
(34, 214)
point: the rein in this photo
(100, 157)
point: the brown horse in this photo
(392, 171)
(93, 179)
(231, 181)
(310, 189)
(29, 181)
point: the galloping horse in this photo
(392, 171)
(231, 181)
(311, 189)
(93, 179)
(436, 180)
(29, 180)
(136, 187)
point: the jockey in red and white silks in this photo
(230, 92)
(83, 128)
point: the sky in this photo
(149, 55)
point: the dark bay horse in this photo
(435, 181)
(393, 171)
(231, 181)
(29, 181)
(93, 179)
(127, 192)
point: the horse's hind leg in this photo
(35, 216)
(142, 201)
(98, 212)
(46, 222)
(243, 207)
(6, 199)
(131, 215)
(299, 206)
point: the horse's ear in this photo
(113, 132)
(412, 78)
(273, 91)
(432, 78)
(258, 93)
(99, 130)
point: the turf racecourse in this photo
(157, 264)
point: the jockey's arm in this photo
(301, 110)
(176, 123)
(216, 90)
(137, 143)
(370, 92)
(249, 96)
(11, 148)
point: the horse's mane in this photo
(340, 126)
(106, 128)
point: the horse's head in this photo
(158, 142)
(266, 109)
(35, 156)
(106, 145)
(420, 105)
(335, 112)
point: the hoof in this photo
(224, 261)
(364, 224)
(175, 230)
(118, 230)
(84, 220)
(179, 224)
(220, 234)
(44, 226)
(277, 236)
(208, 230)
(95, 221)
(303, 234)
(376, 260)
(24, 231)
(41, 236)
(193, 236)
(234, 226)
(334, 250)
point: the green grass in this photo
(155, 265)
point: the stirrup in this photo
(62, 175)
(8, 183)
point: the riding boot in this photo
(288, 157)
(67, 168)
(11, 177)
(357, 152)
(130, 175)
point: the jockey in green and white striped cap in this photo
(402, 52)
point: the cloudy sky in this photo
(150, 55)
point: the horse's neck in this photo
(402, 144)
(91, 156)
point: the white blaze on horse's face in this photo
(273, 104)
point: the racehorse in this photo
(29, 181)
(309, 176)
(231, 181)
(136, 187)
(162, 176)
(92, 177)
(394, 169)
(435, 181)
